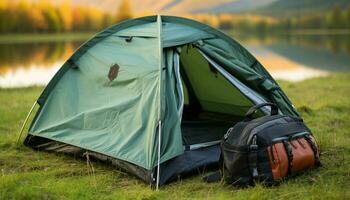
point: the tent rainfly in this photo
(152, 96)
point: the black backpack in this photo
(268, 149)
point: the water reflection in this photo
(336, 43)
(281, 67)
(29, 75)
(320, 52)
(286, 57)
(24, 55)
(28, 64)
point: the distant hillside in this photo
(171, 7)
(111, 6)
(300, 7)
(234, 6)
(174, 7)
(273, 7)
(190, 6)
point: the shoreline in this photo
(44, 37)
(9, 38)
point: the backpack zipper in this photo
(299, 134)
(290, 137)
(249, 128)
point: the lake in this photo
(286, 57)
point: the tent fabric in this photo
(127, 106)
(49, 145)
(249, 93)
(171, 143)
(250, 72)
(121, 118)
(239, 60)
(206, 82)
(171, 170)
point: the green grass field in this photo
(27, 174)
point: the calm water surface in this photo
(293, 58)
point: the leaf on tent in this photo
(113, 72)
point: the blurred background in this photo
(293, 39)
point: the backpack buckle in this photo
(253, 147)
(253, 160)
(228, 133)
(255, 173)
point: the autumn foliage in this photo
(43, 16)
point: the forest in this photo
(45, 17)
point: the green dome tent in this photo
(152, 96)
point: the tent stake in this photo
(25, 121)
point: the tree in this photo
(21, 18)
(225, 22)
(53, 19)
(37, 19)
(78, 19)
(262, 26)
(66, 13)
(107, 20)
(335, 18)
(347, 17)
(124, 11)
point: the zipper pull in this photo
(253, 158)
(228, 133)
(272, 148)
(254, 140)
(253, 146)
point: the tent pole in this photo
(25, 121)
(158, 162)
(159, 27)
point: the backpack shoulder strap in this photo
(217, 175)
(212, 178)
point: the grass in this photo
(26, 174)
